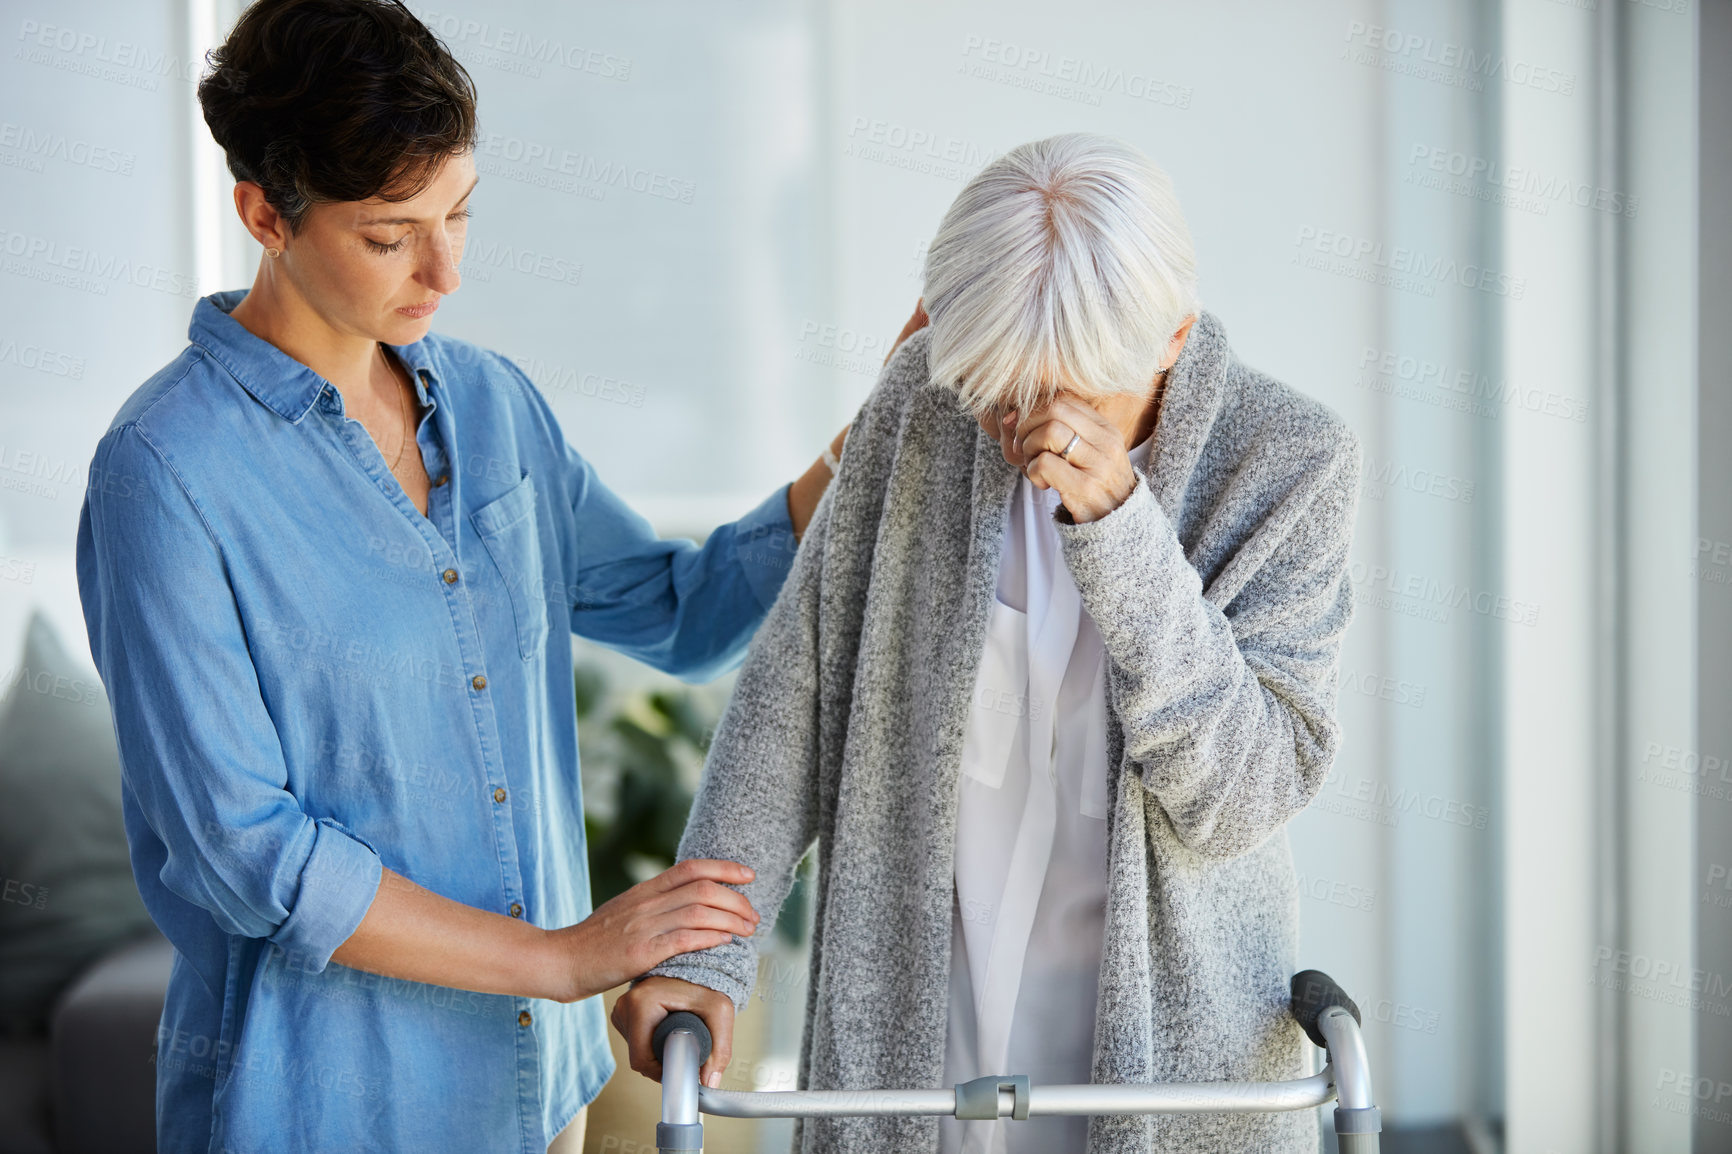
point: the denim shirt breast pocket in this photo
(508, 526)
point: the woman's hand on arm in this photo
(758, 802)
(410, 932)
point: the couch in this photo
(82, 970)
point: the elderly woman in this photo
(1055, 665)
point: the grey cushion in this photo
(66, 891)
(24, 1096)
(104, 1043)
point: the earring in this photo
(273, 253)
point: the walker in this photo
(1328, 1016)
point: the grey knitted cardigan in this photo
(1221, 595)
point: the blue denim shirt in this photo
(311, 680)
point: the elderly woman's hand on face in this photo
(1071, 446)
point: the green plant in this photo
(640, 750)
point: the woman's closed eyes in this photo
(385, 249)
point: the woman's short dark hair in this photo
(332, 100)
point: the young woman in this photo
(1055, 665)
(328, 561)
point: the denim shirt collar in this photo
(278, 381)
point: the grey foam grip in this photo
(1313, 992)
(681, 1020)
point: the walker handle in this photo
(1313, 992)
(681, 1020)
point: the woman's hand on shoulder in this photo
(915, 323)
(803, 494)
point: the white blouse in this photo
(1030, 905)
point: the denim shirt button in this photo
(516, 909)
(499, 795)
(450, 576)
(523, 1019)
(478, 681)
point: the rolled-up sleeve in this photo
(764, 544)
(198, 747)
(686, 609)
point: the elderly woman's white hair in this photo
(1064, 264)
